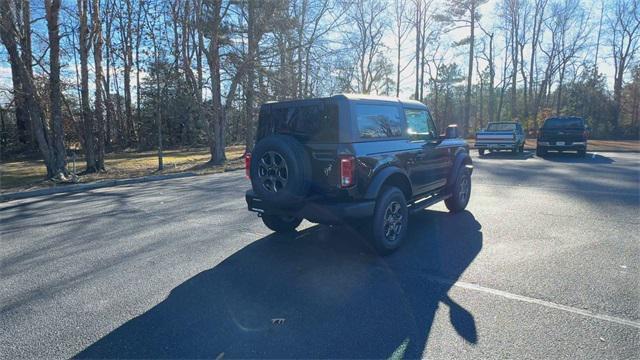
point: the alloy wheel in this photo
(273, 172)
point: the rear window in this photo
(308, 123)
(378, 121)
(501, 127)
(563, 123)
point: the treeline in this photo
(108, 75)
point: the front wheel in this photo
(281, 223)
(390, 220)
(461, 192)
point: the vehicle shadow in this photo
(507, 155)
(573, 158)
(318, 293)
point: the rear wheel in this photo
(390, 219)
(279, 223)
(461, 192)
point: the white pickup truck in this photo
(500, 136)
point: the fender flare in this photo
(462, 158)
(379, 179)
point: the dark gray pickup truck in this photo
(567, 133)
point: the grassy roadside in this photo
(29, 174)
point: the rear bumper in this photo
(495, 145)
(314, 211)
(553, 145)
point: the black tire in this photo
(481, 152)
(388, 227)
(280, 170)
(541, 151)
(281, 223)
(461, 191)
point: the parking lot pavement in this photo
(544, 264)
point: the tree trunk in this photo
(467, 95)
(33, 104)
(492, 79)
(252, 49)
(107, 82)
(97, 56)
(217, 143)
(128, 60)
(55, 92)
(418, 42)
(22, 113)
(89, 142)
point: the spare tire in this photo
(280, 170)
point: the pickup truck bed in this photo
(495, 138)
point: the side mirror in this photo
(451, 132)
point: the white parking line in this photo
(507, 295)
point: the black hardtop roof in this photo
(353, 97)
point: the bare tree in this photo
(624, 38)
(98, 107)
(9, 36)
(464, 14)
(369, 24)
(401, 27)
(52, 8)
(85, 40)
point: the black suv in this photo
(566, 133)
(349, 158)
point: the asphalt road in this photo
(544, 264)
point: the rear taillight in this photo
(247, 165)
(347, 171)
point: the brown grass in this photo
(28, 174)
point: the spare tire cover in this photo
(280, 170)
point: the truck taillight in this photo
(247, 165)
(347, 171)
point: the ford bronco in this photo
(354, 159)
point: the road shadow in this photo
(507, 155)
(318, 293)
(573, 158)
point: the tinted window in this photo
(308, 123)
(569, 122)
(419, 124)
(378, 121)
(501, 127)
